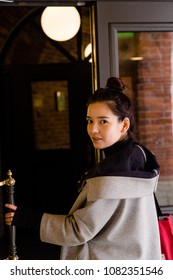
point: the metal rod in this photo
(10, 182)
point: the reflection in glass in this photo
(50, 115)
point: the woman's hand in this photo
(9, 216)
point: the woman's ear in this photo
(125, 125)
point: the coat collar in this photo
(120, 145)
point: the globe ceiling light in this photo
(60, 23)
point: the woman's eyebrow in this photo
(98, 117)
(103, 117)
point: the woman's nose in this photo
(94, 128)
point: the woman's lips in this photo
(96, 139)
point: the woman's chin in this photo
(99, 147)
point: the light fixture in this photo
(60, 23)
(88, 51)
(136, 58)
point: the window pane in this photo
(145, 63)
(50, 115)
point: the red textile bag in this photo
(166, 232)
(166, 235)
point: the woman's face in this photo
(103, 126)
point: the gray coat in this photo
(113, 218)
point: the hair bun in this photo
(115, 83)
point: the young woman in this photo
(114, 216)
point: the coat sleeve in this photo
(93, 209)
(80, 226)
(27, 218)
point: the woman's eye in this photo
(89, 121)
(103, 121)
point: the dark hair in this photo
(116, 100)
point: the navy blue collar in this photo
(120, 145)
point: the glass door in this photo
(143, 58)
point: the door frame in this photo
(126, 13)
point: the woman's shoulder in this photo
(137, 150)
(127, 159)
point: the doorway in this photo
(46, 169)
(46, 177)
